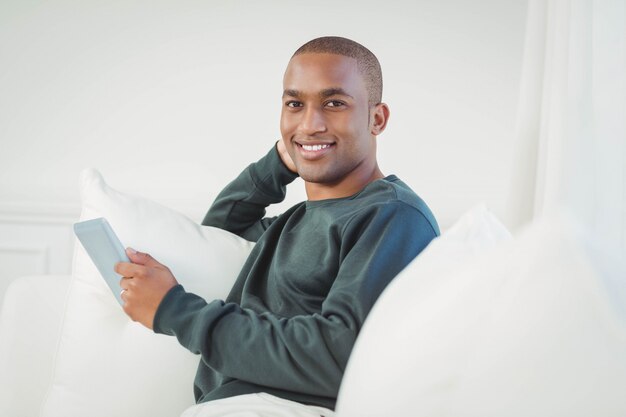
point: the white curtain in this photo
(571, 128)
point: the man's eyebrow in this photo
(327, 92)
(335, 91)
(291, 93)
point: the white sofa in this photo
(480, 324)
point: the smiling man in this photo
(329, 123)
(286, 330)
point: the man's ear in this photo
(379, 118)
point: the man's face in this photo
(325, 119)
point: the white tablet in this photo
(104, 249)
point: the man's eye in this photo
(293, 104)
(334, 103)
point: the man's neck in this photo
(344, 188)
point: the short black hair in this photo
(367, 62)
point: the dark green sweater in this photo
(291, 318)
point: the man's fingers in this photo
(141, 258)
(127, 269)
(125, 282)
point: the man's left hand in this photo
(145, 283)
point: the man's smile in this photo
(311, 151)
(314, 147)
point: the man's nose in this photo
(312, 121)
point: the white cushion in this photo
(108, 365)
(527, 328)
(30, 324)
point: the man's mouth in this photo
(312, 151)
(315, 147)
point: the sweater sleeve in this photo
(307, 353)
(240, 207)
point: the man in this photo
(291, 319)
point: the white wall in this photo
(172, 99)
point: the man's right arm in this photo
(240, 207)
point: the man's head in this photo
(366, 61)
(331, 115)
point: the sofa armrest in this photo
(30, 324)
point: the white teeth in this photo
(315, 147)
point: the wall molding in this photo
(39, 213)
(39, 252)
(66, 214)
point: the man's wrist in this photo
(285, 158)
(270, 174)
(164, 306)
